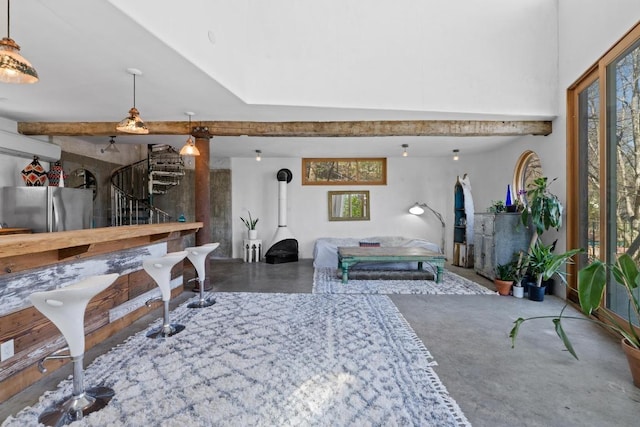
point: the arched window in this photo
(528, 168)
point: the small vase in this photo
(253, 234)
(518, 291)
(503, 286)
(34, 174)
(536, 293)
(56, 175)
(507, 199)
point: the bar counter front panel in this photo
(43, 261)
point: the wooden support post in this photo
(202, 185)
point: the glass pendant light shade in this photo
(133, 123)
(189, 148)
(13, 67)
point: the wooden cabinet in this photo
(496, 238)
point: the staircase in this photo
(133, 187)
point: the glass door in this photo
(623, 166)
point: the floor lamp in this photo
(418, 209)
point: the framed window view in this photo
(348, 205)
(528, 169)
(344, 171)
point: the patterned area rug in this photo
(271, 360)
(325, 281)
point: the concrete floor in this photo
(535, 384)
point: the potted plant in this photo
(497, 206)
(505, 276)
(521, 260)
(543, 210)
(542, 264)
(592, 280)
(251, 226)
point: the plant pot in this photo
(253, 234)
(503, 286)
(633, 358)
(549, 284)
(536, 293)
(518, 291)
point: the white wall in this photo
(410, 180)
(17, 151)
(587, 29)
(11, 168)
(493, 56)
(458, 56)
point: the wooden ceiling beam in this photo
(304, 129)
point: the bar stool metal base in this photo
(76, 407)
(166, 331)
(202, 303)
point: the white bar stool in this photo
(159, 268)
(198, 257)
(65, 308)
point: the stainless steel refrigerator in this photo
(46, 209)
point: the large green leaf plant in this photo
(592, 280)
(544, 209)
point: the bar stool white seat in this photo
(198, 257)
(159, 268)
(65, 308)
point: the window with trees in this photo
(338, 171)
(528, 169)
(348, 205)
(604, 162)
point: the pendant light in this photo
(111, 148)
(456, 156)
(14, 68)
(404, 150)
(189, 148)
(258, 155)
(133, 123)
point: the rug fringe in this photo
(409, 333)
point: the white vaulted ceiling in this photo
(288, 60)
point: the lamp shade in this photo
(416, 209)
(14, 68)
(189, 148)
(133, 123)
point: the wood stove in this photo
(285, 247)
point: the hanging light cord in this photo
(134, 91)
(8, 10)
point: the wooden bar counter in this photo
(43, 261)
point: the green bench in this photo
(351, 255)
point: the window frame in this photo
(366, 205)
(381, 181)
(574, 157)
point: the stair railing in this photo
(130, 195)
